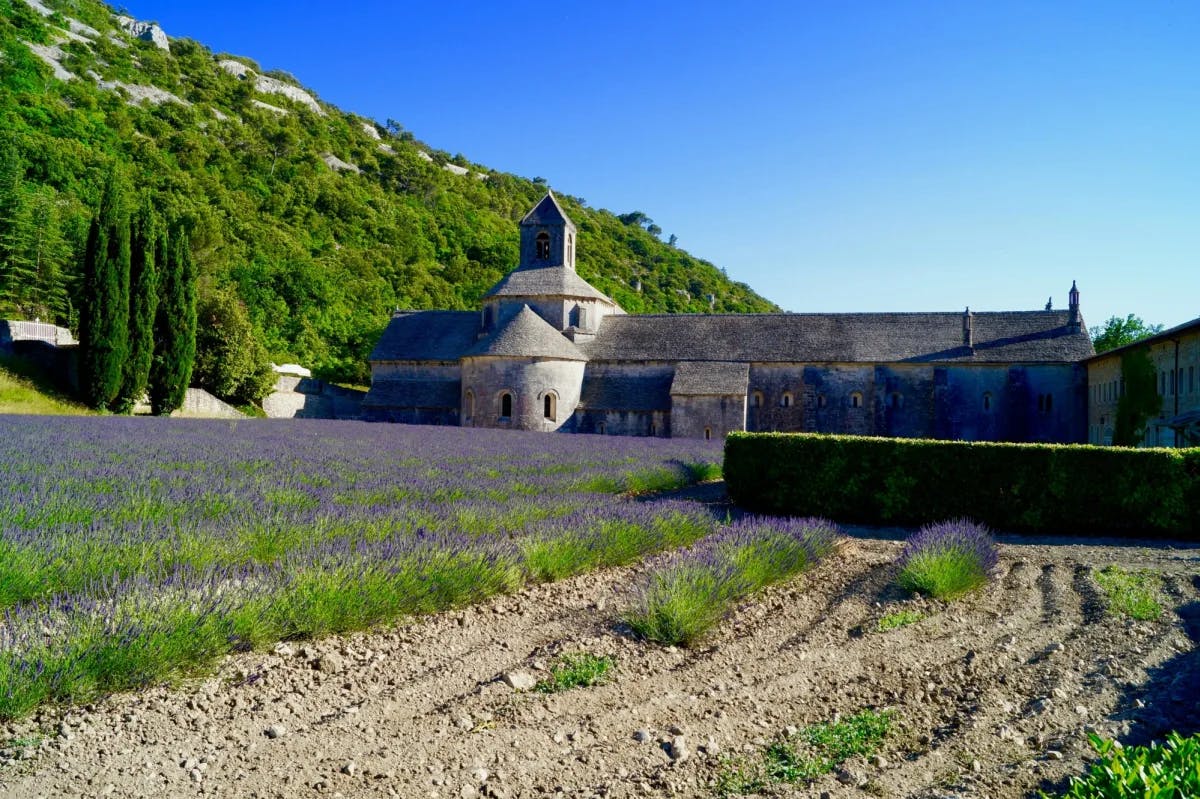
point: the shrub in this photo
(947, 560)
(1063, 489)
(691, 593)
(1159, 770)
(897, 619)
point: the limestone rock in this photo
(146, 31)
(519, 680)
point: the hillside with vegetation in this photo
(319, 221)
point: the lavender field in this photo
(135, 550)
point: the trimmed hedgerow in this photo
(1045, 488)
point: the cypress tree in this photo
(174, 325)
(143, 305)
(104, 314)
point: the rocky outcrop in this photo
(146, 31)
(137, 92)
(52, 55)
(338, 165)
(268, 85)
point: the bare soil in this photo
(993, 695)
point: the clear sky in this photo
(836, 156)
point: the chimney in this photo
(1074, 322)
(968, 329)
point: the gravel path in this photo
(993, 696)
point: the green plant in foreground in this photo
(578, 670)
(1168, 770)
(1132, 594)
(899, 618)
(807, 754)
(947, 560)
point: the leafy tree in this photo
(1118, 332)
(174, 323)
(230, 361)
(1140, 401)
(143, 306)
(104, 314)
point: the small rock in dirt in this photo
(519, 680)
(642, 736)
(1081, 710)
(464, 722)
(1054, 755)
(1054, 647)
(675, 729)
(276, 731)
(350, 768)
(677, 748)
(480, 775)
(850, 777)
(468, 792)
(1041, 705)
(879, 761)
(330, 664)
(976, 766)
(283, 650)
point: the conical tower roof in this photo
(547, 212)
(527, 335)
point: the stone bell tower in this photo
(547, 237)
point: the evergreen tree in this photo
(143, 305)
(230, 361)
(174, 324)
(104, 315)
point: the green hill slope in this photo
(322, 222)
(25, 389)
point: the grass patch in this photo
(1132, 594)
(1167, 770)
(947, 560)
(25, 389)
(579, 670)
(898, 618)
(806, 755)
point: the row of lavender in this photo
(133, 549)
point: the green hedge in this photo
(1042, 488)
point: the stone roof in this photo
(1166, 335)
(427, 336)
(526, 335)
(710, 378)
(413, 394)
(547, 212)
(1000, 337)
(546, 281)
(606, 392)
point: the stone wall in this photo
(309, 398)
(708, 417)
(485, 380)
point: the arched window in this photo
(987, 401)
(786, 399)
(543, 245)
(506, 405)
(550, 406)
(757, 399)
(570, 248)
(821, 401)
(470, 403)
(895, 399)
(856, 400)
(487, 317)
(708, 434)
(600, 428)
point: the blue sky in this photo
(836, 156)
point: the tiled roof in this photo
(609, 392)
(1015, 336)
(545, 281)
(427, 336)
(527, 335)
(710, 378)
(547, 212)
(413, 394)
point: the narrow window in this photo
(600, 428)
(758, 399)
(505, 405)
(895, 399)
(856, 400)
(653, 429)
(570, 248)
(1172, 381)
(786, 399)
(1191, 379)
(550, 407)
(470, 404)
(987, 401)
(708, 434)
(821, 401)
(543, 246)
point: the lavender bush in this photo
(684, 598)
(135, 549)
(947, 559)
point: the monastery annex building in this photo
(547, 351)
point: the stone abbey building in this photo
(547, 351)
